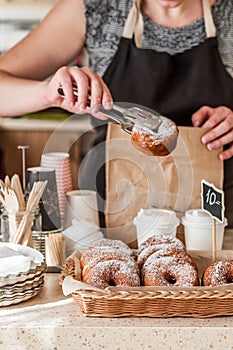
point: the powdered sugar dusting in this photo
(95, 254)
(164, 262)
(158, 249)
(160, 239)
(170, 271)
(162, 259)
(111, 243)
(110, 262)
(218, 273)
(167, 253)
(113, 272)
(166, 129)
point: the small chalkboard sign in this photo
(212, 200)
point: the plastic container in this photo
(198, 230)
(150, 222)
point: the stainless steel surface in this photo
(127, 117)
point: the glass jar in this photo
(4, 227)
(16, 226)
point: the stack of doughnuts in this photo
(163, 261)
(109, 263)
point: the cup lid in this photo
(40, 169)
(158, 216)
(56, 155)
(198, 216)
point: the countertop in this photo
(52, 321)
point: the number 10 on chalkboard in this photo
(212, 200)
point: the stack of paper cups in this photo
(60, 161)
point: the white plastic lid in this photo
(199, 217)
(157, 216)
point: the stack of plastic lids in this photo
(80, 235)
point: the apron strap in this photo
(208, 18)
(134, 24)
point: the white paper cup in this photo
(150, 222)
(198, 230)
(81, 205)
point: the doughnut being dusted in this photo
(218, 273)
(155, 143)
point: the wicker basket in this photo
(200, 302)
(157, 302)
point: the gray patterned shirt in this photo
(105, 21)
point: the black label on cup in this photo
(212, 200)
(49, 206)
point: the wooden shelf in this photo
(42, 141)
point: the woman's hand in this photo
(87, 82)
(220, 121)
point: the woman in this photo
(181, 55)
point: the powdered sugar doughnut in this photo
(218, 273)
(110, 262)
(101, 254)
(161, 240)
(160, 249)
(169, 252)
(170, 271)
(158, 143)
(115, 243)
(112, 273)
(164, 261)
(106, 248)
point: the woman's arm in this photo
(46, 52)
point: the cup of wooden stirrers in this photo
(20, 212)
(55, 249)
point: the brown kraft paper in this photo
(135, 180)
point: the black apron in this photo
(174, 85)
